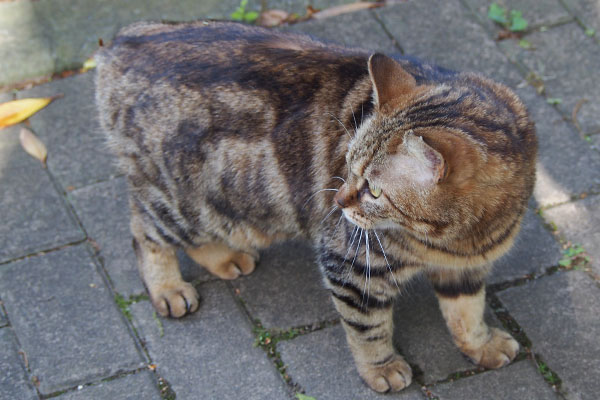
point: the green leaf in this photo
(565, 262)
(525, 44)
(553, 100)
(237, 15)
(590, 32)
(251, 16)
(517, 22)
(301, 396)
(497, 13)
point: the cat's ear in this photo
(433, 161)
(390, 80)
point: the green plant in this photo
(574, 257)
(241, 14)
(511, 20)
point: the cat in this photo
(234, 137)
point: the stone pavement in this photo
(75, 322)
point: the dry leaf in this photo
(272, 18)
(32, 145)
(345, 8)
(90, 63)
(15, 111)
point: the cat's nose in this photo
(339, 199)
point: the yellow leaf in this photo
(345, 8)
(13, 112)
(32, 145)
(90, 63)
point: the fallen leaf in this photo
(32, 145)
(272, 18)
(151, 367)
(574, 114)
(90, 63)
(345, 8)
(15, 111)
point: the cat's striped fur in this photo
(233, 137)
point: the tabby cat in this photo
(234, 137)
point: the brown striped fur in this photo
(234, 137)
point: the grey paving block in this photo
(24, 49)
(34, 216)
(537, 13)
(321, 363)
(566, 59)
(14, 382)
(578, 222)
(421, 335)
(357, 29)
(437, 36)
(559, 314)
(566, 164)
(587, 11)
(66, 320)
(535, 250)
(287, 288)
(209, 354)
(69, 127)
(517, 381)
(104, 212)
(131, 387)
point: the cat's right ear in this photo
(390, 81)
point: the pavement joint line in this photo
(387, 32)
(578, 20)
(38, 253)
(81, 386)
(525, 352)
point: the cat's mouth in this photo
(357, 219)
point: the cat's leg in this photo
(223, 261)
(159, 269)
(367, 320)
(462, 301)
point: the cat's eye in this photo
(374, 190)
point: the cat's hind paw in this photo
(497, 352)
(174, 300)
(392, 376)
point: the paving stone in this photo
(537, 13)
(209, 354)
(131, 387)
(566, 164)
(321, 363)
(578, 222)
(24, 47)
(357, 29)
(517, 381)
(535, 250)
(566, 59)
(421, 335)
(287, 288)
(104, 212)
(437, 37)
(587, 11)
(66, 320)
(559, 314)
(14, 383)
(34, 216)
(77, 154)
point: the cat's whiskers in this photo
(339, 177)
(341, 123)
(368, 271)
(316, 193)
(354, 117)
(362, 112)
(355, 253)
(333, 208)
(337, 226)
(386, 260)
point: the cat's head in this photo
(439, 159)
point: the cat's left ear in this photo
(433, 161)
(390, 80)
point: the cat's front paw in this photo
(174, 299)
(497, 352)
(393, 376)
